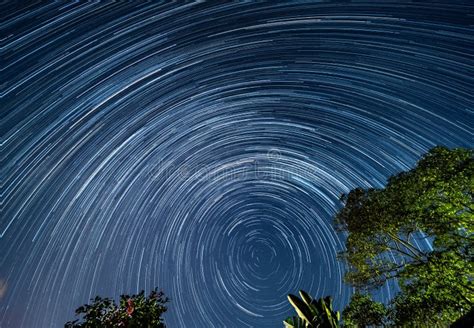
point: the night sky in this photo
(202, 148)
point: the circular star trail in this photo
(202, 148)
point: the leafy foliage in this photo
(362, 311)
(388, 230)
(133, 311)
(311, 312)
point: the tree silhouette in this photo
(135, 311)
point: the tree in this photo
(134, 311)
(312, 312)
(362, 311)
(418, 230)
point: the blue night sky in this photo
(202, 148)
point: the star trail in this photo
(202, 147)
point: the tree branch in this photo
(415, 251)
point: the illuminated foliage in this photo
(418, 230)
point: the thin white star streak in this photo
(202, 148)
